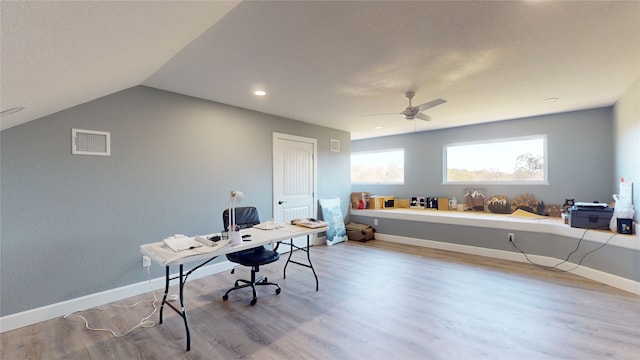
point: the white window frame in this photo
(379, 152)
(545, 168)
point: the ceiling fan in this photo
(415, 112)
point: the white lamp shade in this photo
(237, 196)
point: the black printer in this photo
(590, 215)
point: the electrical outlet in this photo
(511, 237)
(172, 298)
(375, 222)
(146, 261)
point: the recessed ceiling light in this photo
(551, 99)
(379, 128)
(13, 110)
(260, 93)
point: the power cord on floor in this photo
(144, 323)
(555, 267)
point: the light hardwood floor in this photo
(377, 300)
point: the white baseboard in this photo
(29, 317)
(581, 270)
(33, 316)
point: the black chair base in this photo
(253, 283)
(254, 257)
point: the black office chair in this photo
(247, 217)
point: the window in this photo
(378, 167)
(517, 160)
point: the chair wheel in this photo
(225, 297)
(253, 301)
(278, 291)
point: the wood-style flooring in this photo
(377, 300)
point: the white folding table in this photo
(160, 253)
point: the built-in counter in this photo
(602, 255)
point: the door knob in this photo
(281, 202)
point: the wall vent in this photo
(90, 142)
(335, 145)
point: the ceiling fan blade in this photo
(393, 113)
(430, 104)
(422, 116)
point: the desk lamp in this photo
(234, 232)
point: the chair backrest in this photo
(246, 217)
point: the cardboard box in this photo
(440, 203)
(375, 202)
(382, 202)
(443, 203)
(404, 203)
(360, 200)
(418, 202)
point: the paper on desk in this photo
(162, 254)
(181, 242)
(269, 225)
(309, 223)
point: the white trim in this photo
(74, 142)
(335, 145)
(33, 316)
(581, 270)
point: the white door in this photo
(294, 178)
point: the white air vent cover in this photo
(335, 145)
(90, 142)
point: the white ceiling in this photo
(326, 63)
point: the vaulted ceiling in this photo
(326, 63)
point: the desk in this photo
(161, 254)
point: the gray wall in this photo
(627, 154)
(614, 260)
(71, 225)
(583, 147)
(627, 141)
(580, 157)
